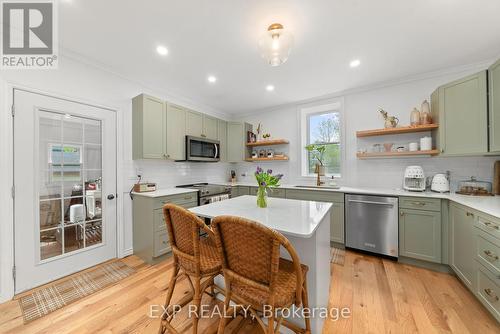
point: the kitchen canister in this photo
(413, 147)
(426, 143)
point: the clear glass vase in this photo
(262, 197)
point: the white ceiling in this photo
(392, 38)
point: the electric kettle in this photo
(440, 183)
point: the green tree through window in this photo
(324, 129)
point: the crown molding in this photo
(478, 66)
(178, 98)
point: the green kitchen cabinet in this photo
(194, 123)
(210, 127)
(462, 244)
(460, 108)
(236, 141)
(336, 212)
(420, 234)
(494, 107)
(222, 137)
(148, 128)
(176, 132)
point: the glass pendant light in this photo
(275, 45)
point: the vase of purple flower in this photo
(266, 182)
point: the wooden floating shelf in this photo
(268, 142)
(267, 159)
(395, 154)
(395, 131)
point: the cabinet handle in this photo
(442, 150)
(490, 293)
(470, 214)
(491, 254)
(418, 203)
(401, 213)
(203, 135)
(488, 224)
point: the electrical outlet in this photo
(138, 172)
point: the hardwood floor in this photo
(383, 296)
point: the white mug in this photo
(413, 147)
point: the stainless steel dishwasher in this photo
(372, 224)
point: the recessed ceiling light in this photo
(269, 88)
(211, 79)
(163, 51)
(355, 63)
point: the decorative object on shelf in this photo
(255, 155)
(413, 147)
(473, 187)
(388, 147)
(401, 149)
(259, 132)
(251, 137)
(426, 143)
(279, 155)
(415, 117)
(276, 44)
(266, 181)
(266, 136)
(270, 153)
(262, 153)
(376, 148)
(425, 113)
(390, 121)
(318, 151)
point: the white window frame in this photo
(336, 105)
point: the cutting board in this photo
(496, 178)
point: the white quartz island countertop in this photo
(486, 204)
(290, 217)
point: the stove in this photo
(209, 193)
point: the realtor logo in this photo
(29, 34)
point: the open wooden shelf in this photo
(269, 142)
(285, 158)
(394, 131)
(395, 154)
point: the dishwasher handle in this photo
(370, 202)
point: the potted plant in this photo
(266, 181)
(317, 151)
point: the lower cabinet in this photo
(150, 230)
(420, 234)
(276, 192)
(462, 243)
(336, 213)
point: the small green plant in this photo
(317, 151)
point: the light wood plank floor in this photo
(384, 297)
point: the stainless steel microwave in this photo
(202, 149)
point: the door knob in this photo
(111, 197)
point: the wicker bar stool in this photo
(195, 257)
(256, 276)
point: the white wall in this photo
(360, 113)
(85, 82)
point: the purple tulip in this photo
(269, 171)
(279, 176)
(263, 184)
(259, 170)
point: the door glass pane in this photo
(70, 182)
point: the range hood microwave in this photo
(202, 149)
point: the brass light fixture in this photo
(276, 44)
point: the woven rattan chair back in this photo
(184, 234)
(250, 253)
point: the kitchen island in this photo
(306, 224)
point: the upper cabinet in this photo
(159, 129)
(200, 125)
(236, 140)
(461, 110)
(148, 128)
(494, 108)
(222, 137)
(176, 132)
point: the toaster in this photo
(440, 183)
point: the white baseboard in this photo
(127, 252)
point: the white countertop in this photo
(288, 216)
(166, 192)
(487, 204)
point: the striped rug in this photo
(59, 294)
(338, 256)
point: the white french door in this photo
(65, 187)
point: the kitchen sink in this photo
(318, 187)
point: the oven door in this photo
(202, 149)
